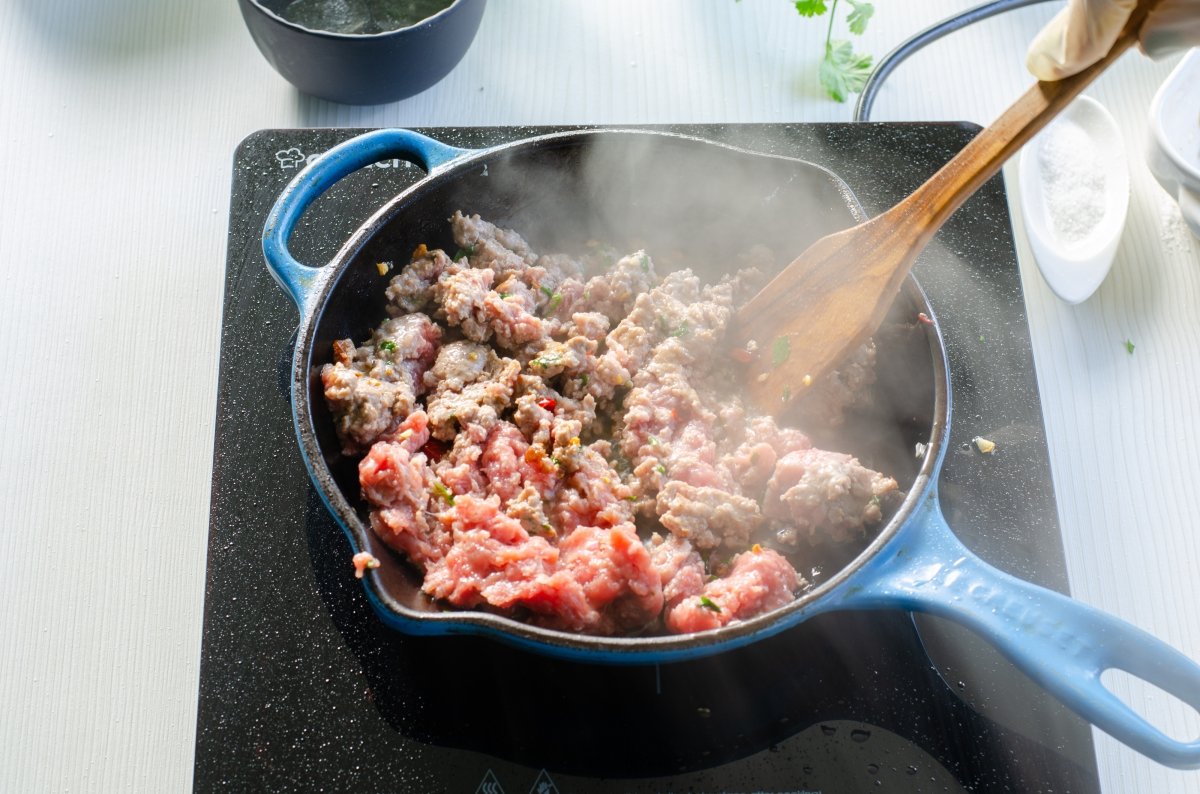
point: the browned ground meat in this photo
(375, 386)
(522, 414)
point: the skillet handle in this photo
(340, 161)
(1061, 644)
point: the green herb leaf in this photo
(645, 262)
(682, 330)
(583, 381)
(445, 493)
(1129, 347)
(546, 291)
(388, 345)
(463, 252)
(844, 72)
(707, 603)
(860, 14)
(781, 350)
(811, 8)
(555, 299)
(661, 469)
(547, 360)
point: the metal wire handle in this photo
(866, 98)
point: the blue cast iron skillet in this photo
(675, 193)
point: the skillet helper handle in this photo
(340, 161)
(1061, 644)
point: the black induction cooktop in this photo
(303, 689)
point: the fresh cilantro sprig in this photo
(843, 71)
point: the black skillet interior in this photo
(683, 200)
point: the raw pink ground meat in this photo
(613, 568)
(492, 560)
(398, 483)
(760, 581)
(679, 566)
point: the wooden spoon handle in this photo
(835, 295)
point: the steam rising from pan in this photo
(701, 205)
(669, 194)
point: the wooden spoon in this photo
(833, 297)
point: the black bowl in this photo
(363, 69)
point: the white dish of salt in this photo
(1074, 186)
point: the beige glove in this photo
(1085, 30)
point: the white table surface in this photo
(118, 122)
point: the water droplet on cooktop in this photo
(873, 768)
(859, 735)
(828, 730)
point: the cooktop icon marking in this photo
(290, 158)
(544, 785)
(489, 784)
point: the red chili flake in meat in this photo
(741, 355)
(547, 403)
(923, 319)
(434, 449)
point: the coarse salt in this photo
(1072, 180)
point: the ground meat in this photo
(613, 293)
(552, 405)
(594, 493)
(613, 568)
(707, 516)
(471, 386)
(371, 388)
(411, 289)
(760, 580)
(510, 469)
(680, 568)
(492, 559)
(400, 484)
(824, 496)
(590, 325)
(502, 251)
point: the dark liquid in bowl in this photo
(357, 17)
